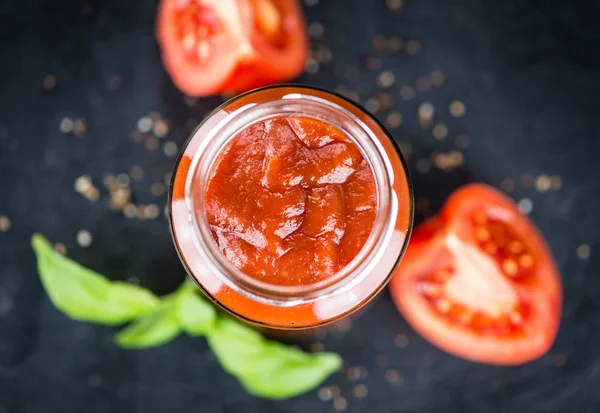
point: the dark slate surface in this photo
(528, 73)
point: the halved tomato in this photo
(479, 281)
(213, 46)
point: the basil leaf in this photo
(267, 368)
(196, 316)
(85, 295)
(154, 329)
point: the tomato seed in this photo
(510, 267)
(515, 318)
(482, 234)
(443, 305)
(203, 50)
(515, 247)
(431, 290)
(526, 261)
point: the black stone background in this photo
(528, 74)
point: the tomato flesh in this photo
(215, 46)
(479, 281)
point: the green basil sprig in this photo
(266, 368)
(85, 295)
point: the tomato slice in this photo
(212, 46)
(479, 281)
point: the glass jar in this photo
(290, 307)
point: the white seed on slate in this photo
(49, 82)
(393, 120)
(152, 211)
(372, 105)
(136, 172)
(312, 66)
(317, 347)
(83, 183)
(325, 394)
(525, 205)
(401, 340)
(394, 5)
(145, 124)
(413, 47)
(360, 391)
(151, 143)
(66, 125)
(160, 128)
(315, 29)
(508, 185)
(123, 180)
(170, 148)
(425, 112)
(80, 126)
(354, 373)
(84, 238)
(60, 248)
(584, 251)
(5, 224)
(440, 131)
(407, 92)
(386, 79)
(130, 211)
(340, 403)
(543, 183)
(437, 78)
(119, 197)
(461, 141)
(392, 376)
(457, 108)
(157, 189)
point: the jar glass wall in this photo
(278, 306)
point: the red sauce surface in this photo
(291, 201)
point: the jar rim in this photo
(367, 142)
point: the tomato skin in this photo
(540, 289)
(241, 57)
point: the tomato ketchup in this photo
(290, 207)
(290, 201)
